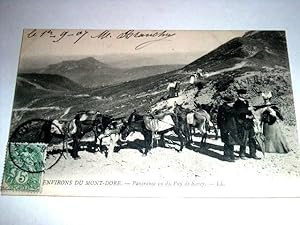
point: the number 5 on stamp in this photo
(24, 166)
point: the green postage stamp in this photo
(24, 165)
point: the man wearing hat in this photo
(245, 125)
(227, 124)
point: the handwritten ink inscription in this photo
(147, 38)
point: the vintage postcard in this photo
(150, 113)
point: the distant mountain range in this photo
(90, 72)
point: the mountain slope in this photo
(32, 85)
(146, 71)
(258, 62)
(256, 49)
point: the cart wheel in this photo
(31, 143)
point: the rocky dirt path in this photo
(192, 162)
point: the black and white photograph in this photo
(96, 111)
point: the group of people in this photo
(241, 123)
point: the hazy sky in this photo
(101, 42)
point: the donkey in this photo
(212, 110)
(193, 119)
(149, 126)
(86, 122)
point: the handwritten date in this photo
(56, 36)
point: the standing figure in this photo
(193, 79)
(245, 125)
(227, 124)
(172, 89)
(275, 140)
(177, 88)
(76, 137)
(199, 73)
(199, 85)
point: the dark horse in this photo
(147, 125)
(86, 122)
(181, 114)
(192, 119)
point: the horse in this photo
(86, 122)
(62, 130)
(199, 119)
(112, 135)
(181, 114)
(149, 126)
(212, 110)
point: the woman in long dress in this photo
(271, 118)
